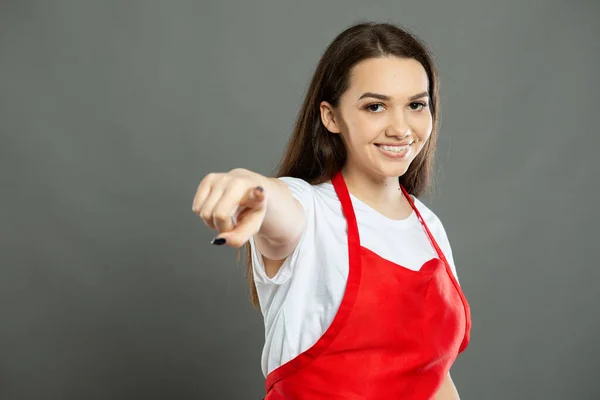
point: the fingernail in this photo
(218, 241)
(260, 188)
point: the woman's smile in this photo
(396, 151)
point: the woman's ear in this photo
(329, 118)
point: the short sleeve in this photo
(444, 244)
(447, 249)
(303, 192)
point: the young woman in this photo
(353, 274)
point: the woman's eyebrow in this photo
(387, 98)
(375, 96)
(418, 96)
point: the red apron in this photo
(395, 335)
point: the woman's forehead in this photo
(391, 76)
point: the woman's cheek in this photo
(423, 125)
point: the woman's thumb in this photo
(254, 197)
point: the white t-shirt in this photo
(300, 302)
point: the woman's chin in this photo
(394, 171)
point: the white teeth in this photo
(395, 149)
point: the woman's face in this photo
(384, 116)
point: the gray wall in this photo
(111, 112)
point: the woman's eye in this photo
(417, 106)
(375, 107)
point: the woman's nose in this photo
(398, 126)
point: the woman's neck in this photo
(381, 193)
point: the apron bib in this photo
(395, 335)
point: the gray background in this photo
(111, 112)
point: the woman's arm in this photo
(263, 207)
(447, 390)
(282, 227)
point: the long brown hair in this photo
(315, 155)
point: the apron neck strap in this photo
(342, 191)
(431, 238)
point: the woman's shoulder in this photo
(291, 180)
(430, 217)
(302, 187)
(426, 211)
(312, 197)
